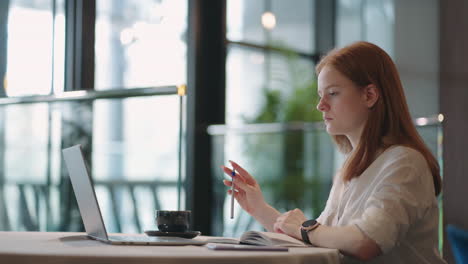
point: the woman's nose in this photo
(321, 106)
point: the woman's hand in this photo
(290, 223)
(247, 191)
(249, 195)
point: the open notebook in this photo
(258, 238)
(270, 239)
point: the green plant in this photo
(297, 97)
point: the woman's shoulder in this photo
(398, 157)
(408, 166)
(404, 154)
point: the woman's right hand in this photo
(248, 193)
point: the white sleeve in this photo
(399, 200)
(328, 212)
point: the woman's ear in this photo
(371, 95)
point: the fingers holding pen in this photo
(227, 183)
(228, 171)
(239, 184)
(238, 174)
(243, 188)
(245, 174)
(241, 198)
(239, 194)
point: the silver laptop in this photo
(91, 213)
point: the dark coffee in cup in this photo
(173, 221)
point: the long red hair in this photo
(389, 122)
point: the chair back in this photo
(459, 241)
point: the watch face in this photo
(310, 222)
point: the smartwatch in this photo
(306, 227)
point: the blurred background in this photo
(109, 75)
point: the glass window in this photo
(131, 144)
(292, 23)
(244, 21)
(405, 30)
(269, 86)
(134, 167)
(252, 75)
(245, 79)
(140, 43)
(34, 66)
(34, 51)
(372, 21)
(30, 168)
(138, 149)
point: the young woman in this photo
(382, 206)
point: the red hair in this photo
(389, 122)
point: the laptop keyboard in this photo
(133, 238)
(143, 240)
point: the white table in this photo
(57, 247)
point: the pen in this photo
(233, 173)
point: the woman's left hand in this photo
(290, 223)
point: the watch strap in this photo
(305, 229)
(305, 236)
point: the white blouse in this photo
(392, 202)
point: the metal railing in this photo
(84, 95)
(34, 198)
(217, 130)
(28, 209)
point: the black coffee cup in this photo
(173, 221)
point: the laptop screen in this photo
(84, 192)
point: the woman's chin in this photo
(332, 132)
